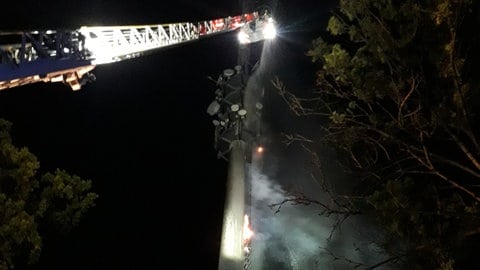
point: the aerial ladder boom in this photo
(69, 56)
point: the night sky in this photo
(141, 133)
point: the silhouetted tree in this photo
(397, 94)
(29, 201)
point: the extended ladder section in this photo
(110, 44)
(69, 55)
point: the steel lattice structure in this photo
(69, 55)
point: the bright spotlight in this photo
(269, 32)
(243, 37)
(262, 28)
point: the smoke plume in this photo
(295, 236)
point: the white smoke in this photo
(296, 236)
(284, 239)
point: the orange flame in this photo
(247, 233)
(259, 149)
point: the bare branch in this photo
(341, 212)
(296, 104)
(291, 138)
(457, 185)
(413, 87)
(464, 149)
(354, 264)
(326, 210)
(455, 164)
(359, 265)
(388, 260)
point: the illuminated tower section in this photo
(234, 139)
(232, 249)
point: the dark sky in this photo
(141, 132)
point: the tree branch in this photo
(464, 149)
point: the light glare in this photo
(232, 247)
(269, 32)
(243, 37)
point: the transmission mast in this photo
(237, 132)
(70, 56)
